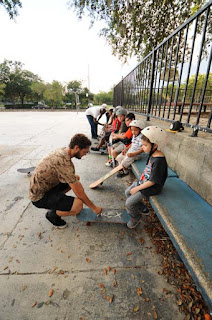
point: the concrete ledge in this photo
(187, 218)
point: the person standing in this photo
(54, 176)
(93, 115)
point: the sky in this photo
(51, 42)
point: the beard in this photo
(77, 155)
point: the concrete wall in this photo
(190, 157)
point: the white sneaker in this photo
(109, 164)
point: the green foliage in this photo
(2, 86)
(75, 88)
(17, 82)
(53, 93)
(104, 97)
(134, 27)
(11, 7)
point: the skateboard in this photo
(105, 177)
(107, 215)
(26, 170)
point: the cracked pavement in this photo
(97, 271)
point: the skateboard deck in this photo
(107, 215)
(105, 177)
(26, 170)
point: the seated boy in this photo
(132, 152)
(153, 177)
(120, 128)
(124, 139)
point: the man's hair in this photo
(80, 140)
(130, 116)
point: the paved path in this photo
(35, 258)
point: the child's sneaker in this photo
(133, 222)
(109, 163)
(122, 174)
(55, 219)
(145, 211)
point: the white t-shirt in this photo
(93, 111)
(136, 143)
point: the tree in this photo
(17, 81)
(104, 97)
(11, 7)
(38, 89)
(2, 86)
(136, 26)
(53, 93)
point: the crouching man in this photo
(55, 176)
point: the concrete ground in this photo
(101, 271)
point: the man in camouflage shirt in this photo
(54, 176)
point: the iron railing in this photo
(174, 81)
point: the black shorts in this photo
(55, 199)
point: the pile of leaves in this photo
(189, 299)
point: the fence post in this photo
(151, 85)
(122, 91)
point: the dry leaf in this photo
(155, 314)
(5, 268)
(39, 235)
(24, 287)
(108, 268)
(139, 291)
(114, 271)
(132, 276)
(115, 283)
(10, 259)
(141, 240)
(207, 316)
(179, 302)
(129, 253)
(101, 285)
(60, 272)
(69, 256)
(197, 310)
(110, 299)
(146, 299)
(51, 292)
(34, 304)
(88, 260)
(105, 271)
(103, 291)
(136, 309)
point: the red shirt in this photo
(128, 135)
(116, 125)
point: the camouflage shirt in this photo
(55, 168)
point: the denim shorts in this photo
(55, 199)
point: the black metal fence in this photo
(174, 81)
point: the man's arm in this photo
(80, 193)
